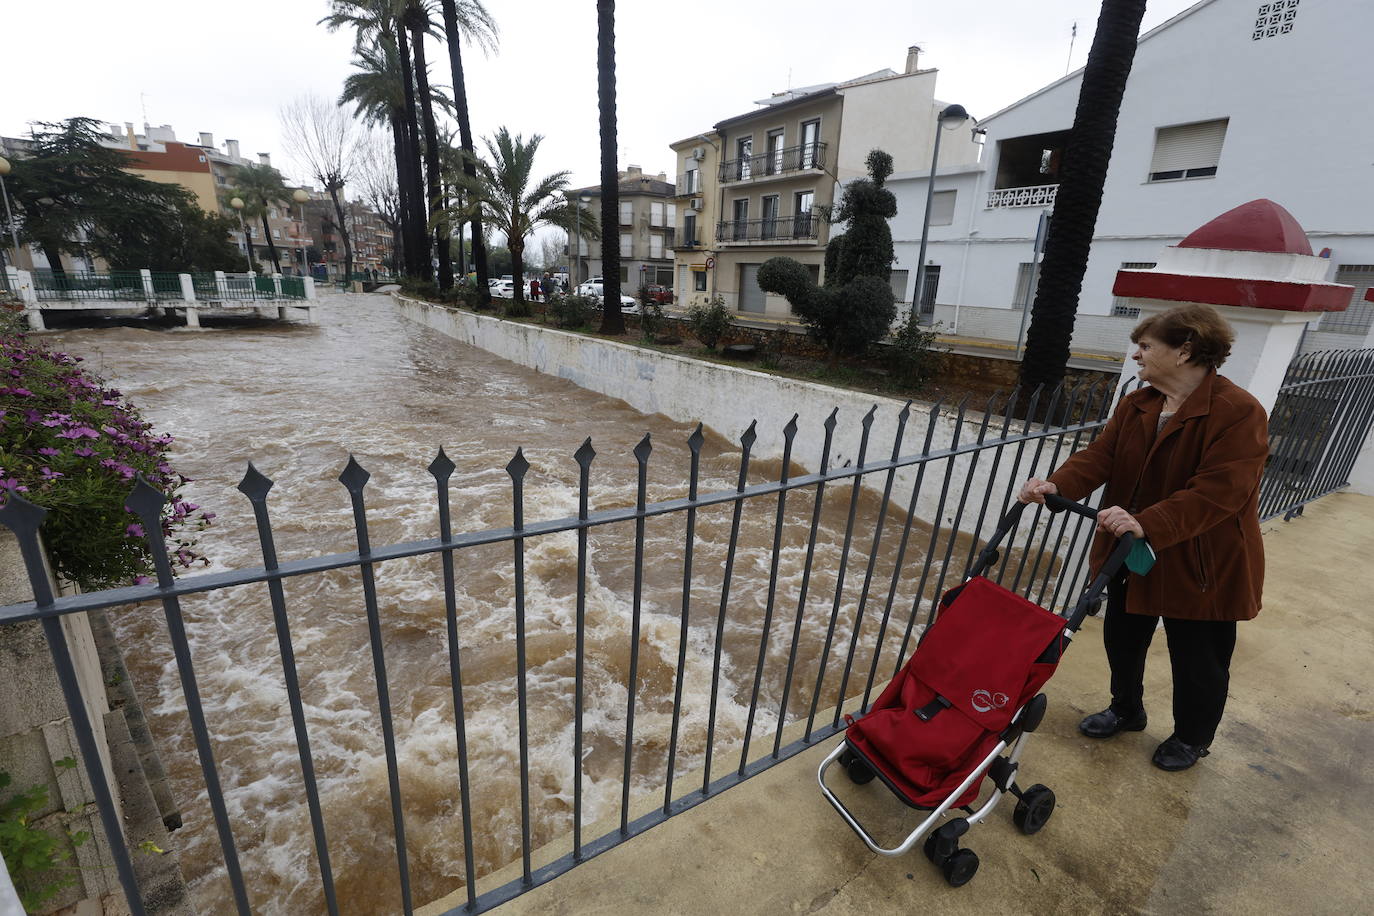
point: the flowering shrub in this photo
(74, 447)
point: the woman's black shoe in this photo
(1173, 754)
(1106, 723)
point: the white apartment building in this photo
(1229, 101)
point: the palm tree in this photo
(374, 89)
(612, 322)
(372, 20)
(260, 187)
(512, 203)
(471, 21)
(416, 19)
(1082, 175)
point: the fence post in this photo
(309, 287)
(188, 288)
(146, 276)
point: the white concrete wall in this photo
(897, 115)
(727, 399)
(1322, 176)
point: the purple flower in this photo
(48, 473)
(110, 402)
(79, 432)
(13, 485)
(49, 452)
(18, 392)
(134, 531)
(141, 580)
(32, 417)
(52, 423)
(83, 452)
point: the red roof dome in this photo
(1260, 225)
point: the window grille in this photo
(1357, 318)
(1024, 271)
(1274, 19)
(1120, 304)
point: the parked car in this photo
(663, 295)
(502, 289)
(594, 291)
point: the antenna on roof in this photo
(143, 101)
(1073, 34)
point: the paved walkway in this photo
(1277, 820)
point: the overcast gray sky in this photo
(227, 67)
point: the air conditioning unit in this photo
(698, 203)
(699, 152)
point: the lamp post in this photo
(9, 216)
(300, 197)
(237, 204)
(952, 118)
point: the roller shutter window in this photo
(1357, 318)
(942, 208)
(1188, 150)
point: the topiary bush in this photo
(74, 446)
(855, 307)
(709, 322)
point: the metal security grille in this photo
(1120, 304)
(1356, 319)
(960, 467)
(1319, 423)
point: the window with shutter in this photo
(656, 213)
(626, 244)
(1188, 150)
(626, 213)
(1024, 271)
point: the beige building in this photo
(772, 171)
(645, 234)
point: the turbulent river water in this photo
(296, 400)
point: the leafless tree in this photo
(376, 183)
(323, 139)
(551, 250)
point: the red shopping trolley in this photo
(963, 706)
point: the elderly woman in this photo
(1181, 460)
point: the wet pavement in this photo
(1276, 820)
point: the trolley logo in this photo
(987, 701)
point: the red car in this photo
(660, 294)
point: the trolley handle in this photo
(1056, 504)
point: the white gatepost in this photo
(1256, 267)
(188, 296)
(146, 276)
(309, 287)
(21, 282)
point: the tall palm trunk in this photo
(460, 102)
(415, 217)
(434, 197)
(612, 322)
(1081, 178)
(400, 231)
(267, 234)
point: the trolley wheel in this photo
(1034, 809)
(845, 757)
(859, 771)
(929, 848)
(960, 868)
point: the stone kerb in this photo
(727, 399)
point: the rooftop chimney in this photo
(231, 149)
(265, 159)
(633, 170)
(912, 54)
(207, 140)
(129, 133)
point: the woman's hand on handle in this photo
(1116, 521)
(1034, 490)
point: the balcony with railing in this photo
(780, 229)
(688, 184)
(1037, 196)
(774, 164)
(686, 241)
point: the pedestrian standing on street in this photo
(1181, 460)
(534, 289)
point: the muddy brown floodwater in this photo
(297, 400)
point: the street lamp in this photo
(9, 216)
(952, 118)
(300, 197)
(237, 204)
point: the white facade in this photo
(1293, 106)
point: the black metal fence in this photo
(780, 228)
(774, 162)
(911, 525)
(1319, 423)
(959, 476)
